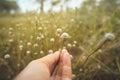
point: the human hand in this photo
(55, 66)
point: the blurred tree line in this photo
(8, 5)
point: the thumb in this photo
(66, 74)
(50, 60)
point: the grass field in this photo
(26, 37)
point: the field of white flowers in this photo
(94, 49)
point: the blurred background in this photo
(88, 29)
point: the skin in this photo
(55, 66)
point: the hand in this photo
(55, 66)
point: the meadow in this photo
(26, 37)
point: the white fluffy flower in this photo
(21, 47)
(10, 28)
(52, 40)
(69, 45)
(109, 36)
(50, 51)
(65, 35)
(6, 56)
(41, 52)
(75, 42)
(38, 38)
(28, 52)
(59, 30)
(36, 45)
(42, 36)
(10, 40)
(29, 43)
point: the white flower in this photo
(59, 30)
(10, 40)
(80, 69)
(75, 42)
(29, 43)
(50, 51)
(42, 36)
(100, 51)
(41, 52)
(10, 28)
(52, 40)
(109, 36)
(28, 52)
(21, 47)
(35, 45)
(74, 45)
(6, 56)
(38, 38)
(69, 45)
(65, 35)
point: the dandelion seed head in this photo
(74, 45)
(38, 38)
(75, 42)
(109, 36)
(11, 40)
(29, 44)
(42, 36)
(52, 39)
(65, 35)
(28, 52)
(6, 56)
(11, 29)
(20, 47)
(50, 51)
(35, 45)
(59, 30)
(41, 52)
(80, 69)
(69, 45)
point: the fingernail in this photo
(66, 59)
(65, 51)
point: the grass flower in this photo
(50, 51)
(6, 56)
(109, 36)
(52, 39)
(29, 44)
(41, 52)
(59, 30)
(65, 35)
(28, 52)
(20, 47)
(69, 45)
(35, 45)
